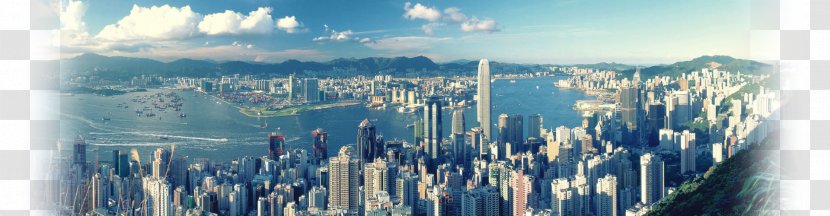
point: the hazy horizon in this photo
(537, 32)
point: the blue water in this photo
(218, 131)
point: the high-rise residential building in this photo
(344, 182)
(483, 105)
(521, 186)
(652, 182)
(534, 126)
(317, 198)
(481, 201)
(678, 109)
(687, 152)
(379, 176)
(157, 194)
(717, 153)
(367, 141)
(606, 196)
(562, 197)
(161, 161)
(458, 121)
(406, 188)
(98, 197)
(432, 127)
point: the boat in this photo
(264, 124)
(512, 81)
(182, 115)
(164, 138)
(410, 125)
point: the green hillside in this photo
(742, 185)
(725, 63)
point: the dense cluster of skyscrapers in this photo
(525, 169)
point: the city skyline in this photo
(556, 32)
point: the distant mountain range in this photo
(116, 67)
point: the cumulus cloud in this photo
(290, 24)
(454, 15)
(419, 11)
(71, 16)
(153, 23)
(474, 24)
(233, 23)
(451, 15)
(334, 35)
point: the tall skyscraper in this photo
(79, 153)
(120, 163)
(161, 159)
(418, 131)
(606, 198)
(276, 144)
(687, 152)
(311, 90)
(483, 105)
(510, 131)
(432, 127)
(292, 87)
(320, 145)
(534, 126)
(651, 178)
(344, 182)
(367, 142)
(629, 109)
(458, 121)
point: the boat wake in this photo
(165, 135)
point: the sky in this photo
(530, 31)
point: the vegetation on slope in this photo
(742, 185)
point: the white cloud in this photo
(334, 35)
(153, 23)
(233, 23)
(450, 15)
(454, 15)
(474, 24)
(420, 11)
(290, 24)
(71, 16)
(404, 43)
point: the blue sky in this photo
(533, 31)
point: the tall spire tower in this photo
(483, 105)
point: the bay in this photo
(217, 131)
